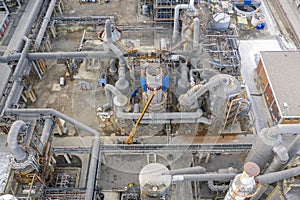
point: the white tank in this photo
(221, 21)
(154, 82)
(152, 182)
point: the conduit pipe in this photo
(25, 29)
(279, 163)
(280, 159)
(160, 116)
(46, 131)
(204, 177)
(201, 120)
(183, 83)
(90, 187)
(277, 176)
(109, 90)
(67, 55)
(58, 55)
(122, 84)
(196, 33)
(176, 18)
(18, 76)
(197, 91)
(12, 140)
(188, 170)
(44, 25)
(262, 149)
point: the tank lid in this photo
(252, 169)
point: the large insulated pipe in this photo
(183, 83)
(46, 131)
(122, 84)
(277, 176)
(196, 36)
(279, 161)
(262, 149)
(12, 140)
(44, 25)
(160, 116)
(109, 90)
(197, 91)
(32, 7)
(189, 170)
(67, 55)
(18, 76)
(204, 177)
(90, 188)
(176, 18)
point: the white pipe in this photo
(176, 18)
(45, 23)
(196, 33)
(12, 140)
(109, 90)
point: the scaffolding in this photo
(163, 10)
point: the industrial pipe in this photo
(67, 55)
(262, 149)
(197, 91)
(122, 84)
(160, 116)
(183, 83)
(188, 170)
(277, 176)
(204, 177)
(202, 120)
(32, 8)
(90, 187)
(46, 131)
(12, 140)
(17, 86)
(109, 90)
(44, 25)
(176, 18)
(196, 33)
(279, 163)
(280, 159)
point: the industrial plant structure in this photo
(127, 100)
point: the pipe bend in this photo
(12, 140)
(109, 90)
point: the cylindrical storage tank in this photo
(243, 186)
(154, 82)
(221, 21)
(152, 183)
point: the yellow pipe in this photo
(132, 133)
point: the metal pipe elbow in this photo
(12, 140)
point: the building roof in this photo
(283, 71)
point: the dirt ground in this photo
(126, 10)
